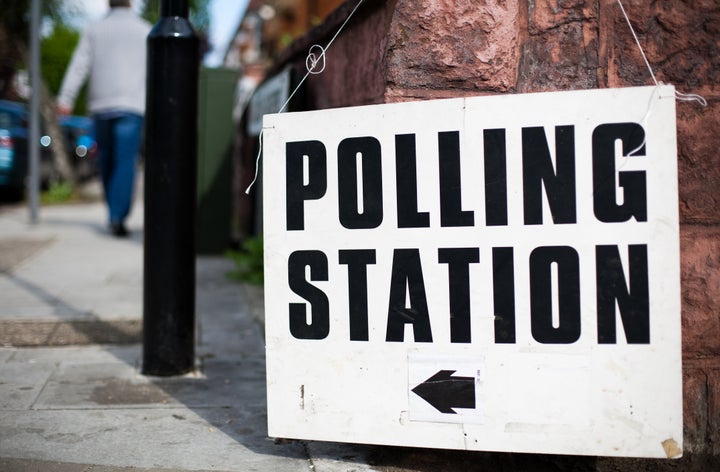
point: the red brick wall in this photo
(399, 50)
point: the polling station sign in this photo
(489, 273)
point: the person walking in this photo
(111, 57)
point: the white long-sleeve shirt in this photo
(111, 55)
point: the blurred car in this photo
(82, 149)
(13, 147)
(9, 177)
(14, 156)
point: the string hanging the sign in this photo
(314, 64)
(687, 97)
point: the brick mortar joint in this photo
(710, 362)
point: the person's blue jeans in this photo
(118, 136)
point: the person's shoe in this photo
(118, 230)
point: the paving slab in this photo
(68, 268)
(170, 438)
(20, 384)
(34, 465)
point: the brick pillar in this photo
(399, 50)
(462, 47)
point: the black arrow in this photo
(445, 392)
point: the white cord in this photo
(311, 62)
(686, 97)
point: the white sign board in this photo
(489, 273)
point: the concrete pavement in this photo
(71, 393)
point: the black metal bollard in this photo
(170, 193)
